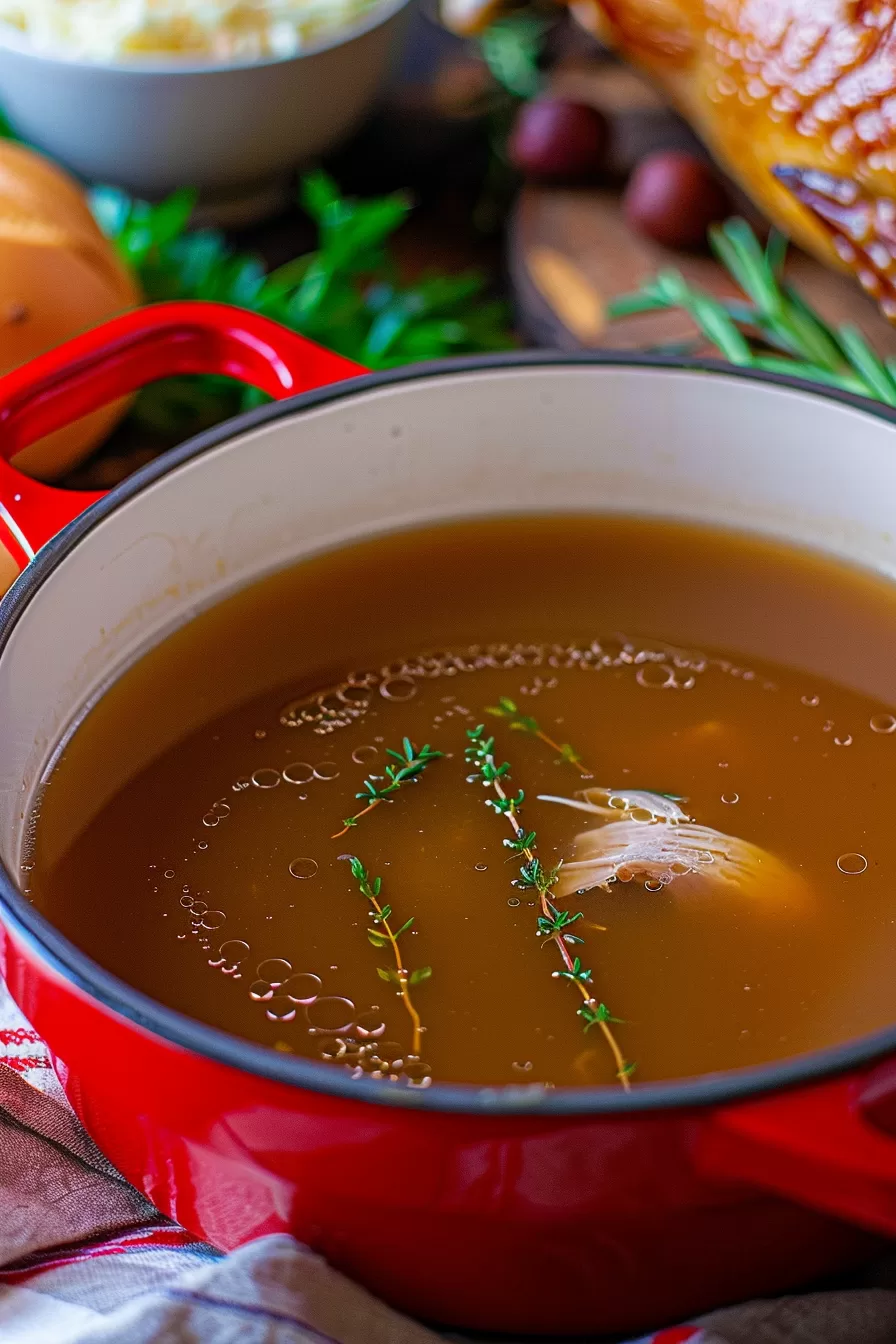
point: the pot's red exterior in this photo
(560, 1224)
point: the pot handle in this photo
(831, 1146)
(102, 365)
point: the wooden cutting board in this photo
(570, 251)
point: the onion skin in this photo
(58, 276)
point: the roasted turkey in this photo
(795, 98)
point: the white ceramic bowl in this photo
(233, 130)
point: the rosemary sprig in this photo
(411, 764)
(524, 723)
(553, 924)
(381, 934)
(772, 327)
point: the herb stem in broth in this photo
(382, 935)
(412, 763)
(553, 924)
(524, 723)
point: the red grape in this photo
(557, 140)
(673, 197)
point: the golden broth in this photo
(671, 659)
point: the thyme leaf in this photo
(552, 923)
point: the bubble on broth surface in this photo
(330, 1015)
(230, 955)
(266, 778)
(398, 688)
(303, 987)
(280, 1009)
(213, 919)
(362, 755)
(730, 798)
(370, 1026)
(303, 868)
(811, 701)
(852, 864)
(326, 770)
(260, 991)
(298, 772)
(235, 949)
(274, 970)
(656, 676)
(882, 723)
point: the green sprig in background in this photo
(346, 294)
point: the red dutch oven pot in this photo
(516, 1209)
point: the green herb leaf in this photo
(343, 294)
(417, 976)
(774, 317)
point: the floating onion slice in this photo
(624, 804)
(692, 860)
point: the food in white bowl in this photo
(234, 127)
(224, 30)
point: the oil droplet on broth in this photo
(481, 867)
(330, 1015)
(303, 987)
(280, 1009)
(303, 868)
(274, 970)
(266, 778)
(361, 755)
(326, 770)
(730, 797)
(229, 957)
(298, 772)
(852, 864)
(260, 991)
(811, 701)
(370, 1026)
(398, 688)
(882, 723)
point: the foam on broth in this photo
(750, 681)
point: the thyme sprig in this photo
(411, 764)
(381, 934)
(524, 723)
(553, 924)
(772, 327)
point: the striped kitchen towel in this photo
(86, 1259)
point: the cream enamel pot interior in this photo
(655, 1204)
